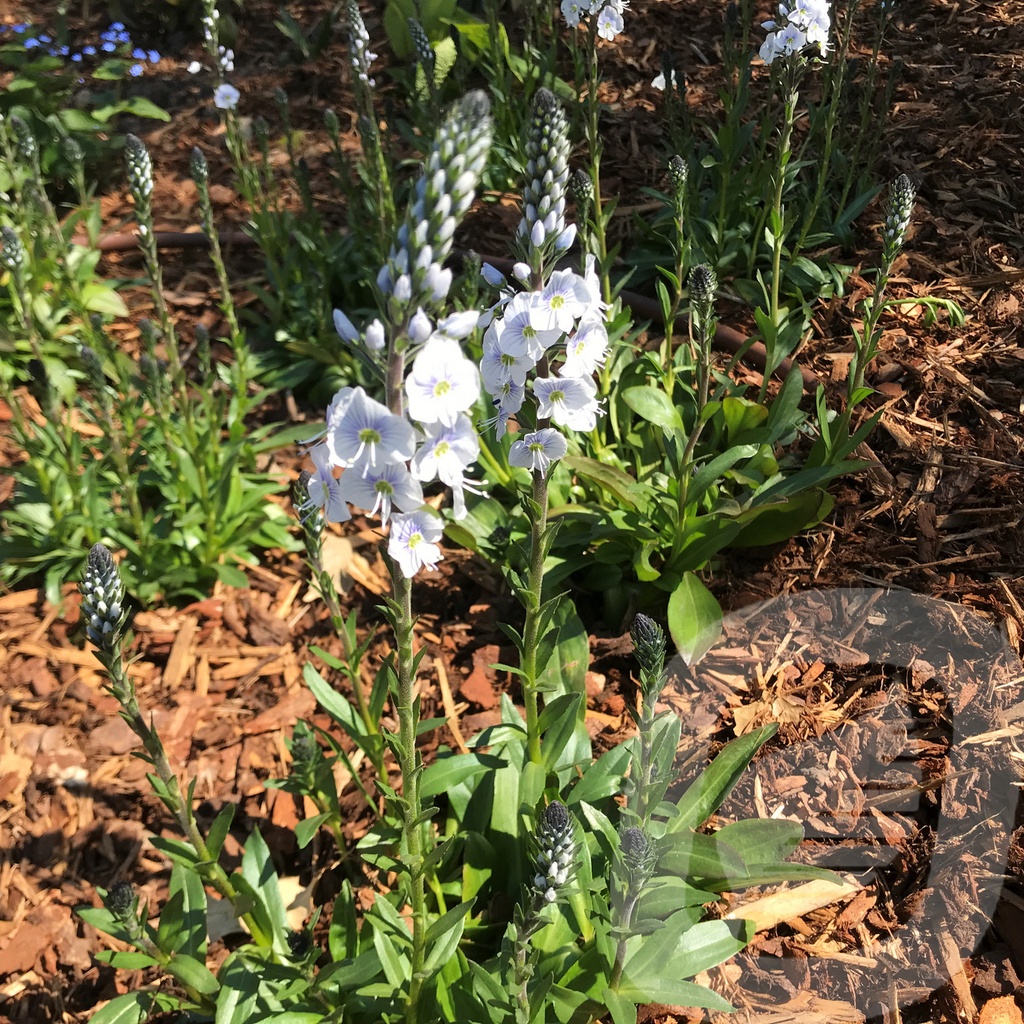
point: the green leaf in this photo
(694, 619)
(132, 1008)
(654, 406)
(444, 935)
(192, 974)
(258, 870)
(449, 771)
(706, 793)
(219, 830)
(100, 297)
(618, 484)
(694, 856)
(126, 960)
(239, 988)
(622, 1010)
(680, 950)
(308, 828)
(563, 655)
(558, 728)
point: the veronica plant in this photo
(386, 460)
(610, 911)
(546, 335)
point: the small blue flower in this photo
(45, 39)
(64, 51)
(154, 57)
(108, 47)
(88, 50)
(18, 28)
(138, 54)
(76, 57)
(122, 37)
(116, 26)
(107, 36)
(31, 44)
(135, 70)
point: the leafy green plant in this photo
(142, 456)
(549, 899)
(65, 89)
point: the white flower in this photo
(443, 383)
(324, 489)
(225, 97)
(568, 401)
(564, 299)
(609, 23)
(362, 431)
(498, 365)
(446, 454)
(586, 349)
(377, 489)
(661, 82)
(538, 450)
(413, 541)
(508, 400)
(194, 68)
(572, 11)
(529, 326)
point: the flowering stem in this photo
(531, 628)
(123, 690)
(412, 827)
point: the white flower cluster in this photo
(385, 458)
(563, 321)
(609, 14)
(801, 23)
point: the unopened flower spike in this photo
(102, 600)
(638, 857)
(703, 285)
(140, 168)
(898, 212)
(556, 850)
(424, 51)
(679, 174)
(542, 226)
(12, 252)
(359, 44)
(414, 274)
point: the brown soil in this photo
(939, 516)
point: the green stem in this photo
(531, 628)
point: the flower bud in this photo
(424, 51)
(24, 140)
(198, 168)
(102, 599)
(140, 169)
(556, 850)
(703, 285)
(91, 367)
(331, 122)
(649, 644)
(638, 856)
(898, 211)
(122, 902)
(679, 173)
(12, 252)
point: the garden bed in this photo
(939, 515)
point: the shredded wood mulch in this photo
(903, 767)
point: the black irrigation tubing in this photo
(727, 340)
